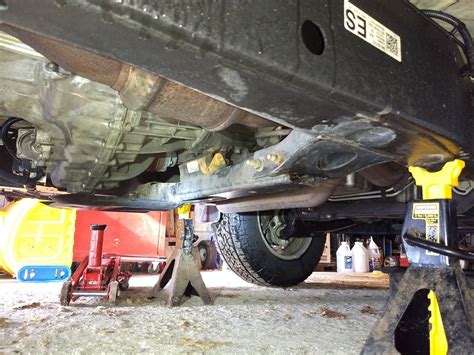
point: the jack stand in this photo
(182, 269)
(431, 242)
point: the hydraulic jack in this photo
(430, 239)
(182, 268)
(97, 275)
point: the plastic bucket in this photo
(32, 233)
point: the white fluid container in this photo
(344, 260)
(360, 258)
(375, 259)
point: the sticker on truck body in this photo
(192, 166)
(372, 31)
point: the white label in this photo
(348, 262)
(429, 212)
(192, 166)
(372, 31)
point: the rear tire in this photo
(243, 245)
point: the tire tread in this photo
(233, 235)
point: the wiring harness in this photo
(465, 40)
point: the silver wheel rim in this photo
(203, 254)
(291, 249)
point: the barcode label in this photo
(392, 44)
(370, 30)
(428, 212)
(432, 233)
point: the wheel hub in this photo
(203, 254)
(272, 225)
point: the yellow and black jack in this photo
(434, 282)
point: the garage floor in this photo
(244, 319)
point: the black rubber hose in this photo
(438, 248)
(10, 179)
(7, 177)
(463, 32)
(6, 140)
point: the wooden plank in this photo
(326, 267)
(374, 279)
(326, 257)
(170, 223)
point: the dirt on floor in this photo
(244, 319)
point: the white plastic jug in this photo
(375, 259)
(344, 258)
(360, 258)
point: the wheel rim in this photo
(203, 254)
(270, 224)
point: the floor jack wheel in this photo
(123, 285)
(113, 291)
(65, 295)
(156, 268)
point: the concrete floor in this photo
(245, 319)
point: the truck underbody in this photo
(313, 107)
(150, 106)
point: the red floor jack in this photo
(97, 275)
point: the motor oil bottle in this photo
(344, 258)
(375, 259)
(360, 257)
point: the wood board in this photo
(374, 279)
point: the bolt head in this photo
(256, 163)
(276, 158)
